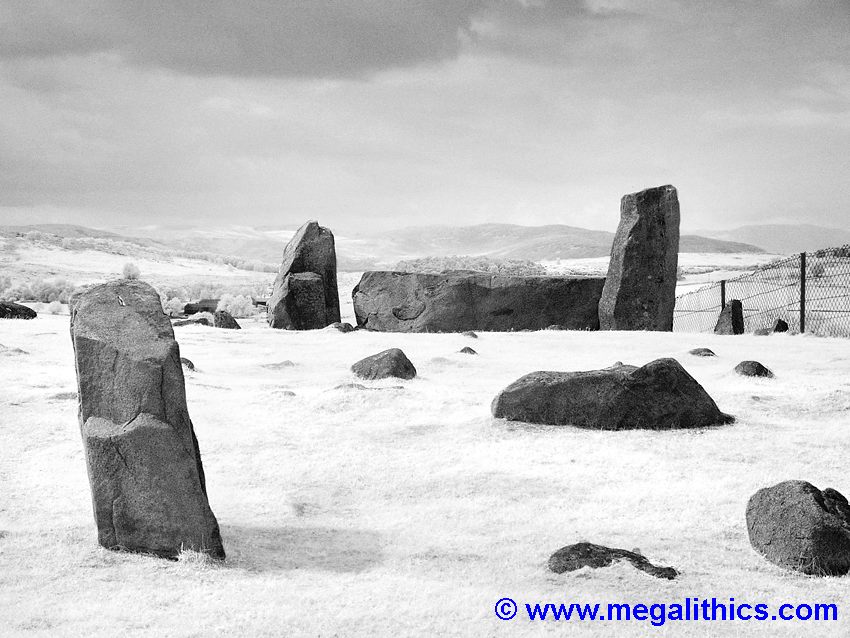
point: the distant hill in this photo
(509, 241)
(784, 239)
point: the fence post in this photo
(722, 294)
(802, 292)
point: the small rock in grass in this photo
(223, 319)
(389, 363)
(702, 352)
(280, 365)
(753, 369)
(343, 326)
(780, 325)
(573, 557)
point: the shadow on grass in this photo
(272, 549)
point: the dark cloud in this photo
(308, 38)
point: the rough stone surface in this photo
(640, 289)
(702, 352)
(467, 350)
(795, 525)
(780, 325)
(731, 319)
(389, 363)
(223, 319)
(302, 302)
(464, 301)
(658, 396)
(144, 465)
(470, 334)
(753, 369)
(310, 251)
(188, 363)
(573, 557)
(12, 310)
(763, 332)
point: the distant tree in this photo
(236, 305)
(131, 271)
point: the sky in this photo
(374, 114)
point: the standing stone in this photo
(795, 525)
(144, 465)
(640, 289)
(304, 302)
(731, 319)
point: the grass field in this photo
(410, 511)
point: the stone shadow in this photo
(271, 549)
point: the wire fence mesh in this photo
(810, 291)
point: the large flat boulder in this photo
(658, 396)
(144, 464)
(640, 289)
(463, 301)
(795, 525)
(311, 250)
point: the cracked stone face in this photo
(144, 465)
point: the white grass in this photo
(402, 512)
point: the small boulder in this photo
(223, 319)
(780, 325)
(470, 334)
(795, 525)
(342, 326)
(389, 363)
(702, 352)
(762, 332)
(753, 369)
(658, 396)
(467, 350)
(573, 557)
(12, 310)
(187, 363)
(731, 319)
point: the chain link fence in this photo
(810, 291)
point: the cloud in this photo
(248, 38)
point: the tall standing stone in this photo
(640, 289)
(301, 301)
(144, 465)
